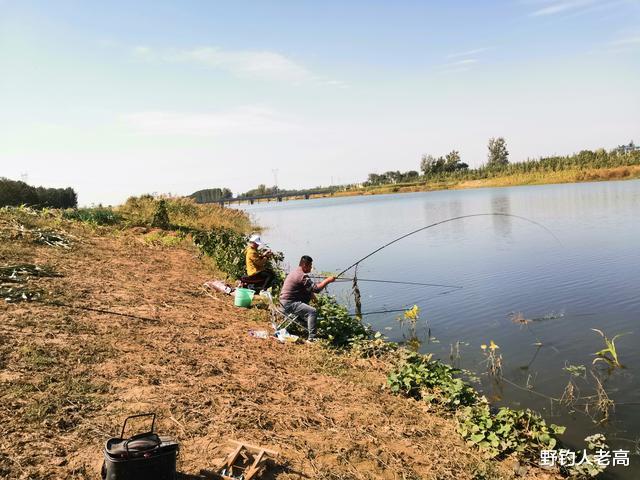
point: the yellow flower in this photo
(483, 346)
(412, 313)
(492, 345)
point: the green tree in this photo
(15, 193)
(374, 179)
(161, 216)
(392, 176)
(498, 153)
(427, 164)
(452, 162)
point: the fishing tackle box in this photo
(144, 456)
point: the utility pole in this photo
(275, 177)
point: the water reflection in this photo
(501, 203)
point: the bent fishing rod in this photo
(496, 214)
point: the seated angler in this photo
(259, 275)
(298, 290)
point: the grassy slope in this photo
(69, 376)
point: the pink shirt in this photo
(297, 287)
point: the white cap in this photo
(255, 238)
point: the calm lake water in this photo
(505, 265)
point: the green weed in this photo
(226, 247)
(609, 354)
(576, 370)
(507, 431)
(336, 325)
(431, 380)
(589, 468)
(376, 347)
(93, 215)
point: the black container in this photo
(145, 456)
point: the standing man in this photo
(257, 262)
(298, 290)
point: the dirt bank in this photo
(69, 376)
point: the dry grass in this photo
(185, 212)
(562, 176)
(69, 376)
(602, 405)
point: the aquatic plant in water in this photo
(575, 370)
(609, 354)
(411, 316)
(492, 358)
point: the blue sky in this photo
(123, 98)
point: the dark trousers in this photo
(261, 280)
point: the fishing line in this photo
(397, 282)
(396, 310)
(446, 221)
(378, 312)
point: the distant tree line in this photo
(262, 190)
(393, 177)
(211, 195)
(451, 166)
(14, 193)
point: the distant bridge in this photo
(278, 197)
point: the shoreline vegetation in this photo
(113, 287)
(450, 173)
(631, 172)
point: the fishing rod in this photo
(497, 214)
(345, 279)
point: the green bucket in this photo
(243, 297)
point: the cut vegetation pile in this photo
(71, 372)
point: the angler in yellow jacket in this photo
(257, 260)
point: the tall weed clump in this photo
(184, 213)
(336, 325)
(226, 247)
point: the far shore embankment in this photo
(631, 172)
